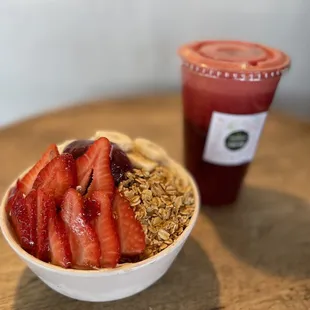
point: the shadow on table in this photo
(267, 229)
(191, 283)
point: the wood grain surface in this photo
(253, 256)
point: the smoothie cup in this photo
(227, 89)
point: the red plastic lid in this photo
(234, 59)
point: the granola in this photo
(163, 203)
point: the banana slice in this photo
(179, 171)
(123, 141)
(139, 161)
(150, 150)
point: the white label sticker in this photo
(232, 139)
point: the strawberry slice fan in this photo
(67, 211)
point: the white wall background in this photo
(55, 52)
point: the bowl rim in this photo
(123, 268)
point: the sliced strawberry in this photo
(26, 183)
(102, 175)
(13, 193)
(95, 164)
(21, 224)
(91, 209)
(57, 176)
(84, 242)
(31, 205)
(106, 230)
(58, 241)
(45, 203)
(131, 235)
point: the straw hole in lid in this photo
(253, 63)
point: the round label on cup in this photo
(232, 139)
(237, 140)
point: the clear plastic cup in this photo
(227, 89)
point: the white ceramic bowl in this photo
(104, 284)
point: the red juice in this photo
(227, 91)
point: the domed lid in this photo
(234, 59)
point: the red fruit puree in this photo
(227, 89)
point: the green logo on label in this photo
(236, 140)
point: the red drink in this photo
(228, 88)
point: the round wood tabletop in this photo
(255, 255)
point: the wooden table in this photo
(255, 256)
